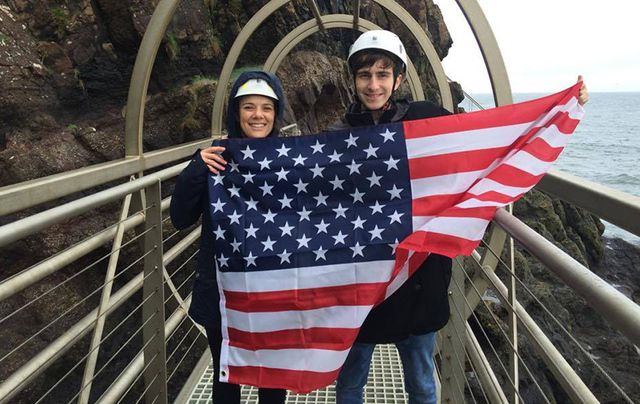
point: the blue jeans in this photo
(416, 354)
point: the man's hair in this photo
(367, 58)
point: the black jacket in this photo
(421, 304)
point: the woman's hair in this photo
(233, 108)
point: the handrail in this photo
(614, 306)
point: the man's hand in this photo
(583, 96)
(212, 158)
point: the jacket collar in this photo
(356, 116)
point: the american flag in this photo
(311, 232)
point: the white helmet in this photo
(256, 87)
(379, 39)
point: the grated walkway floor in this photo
(385, 384)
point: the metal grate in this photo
(385, 384)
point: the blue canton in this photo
(324, 199)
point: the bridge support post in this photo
(452, 352)
(153, 333)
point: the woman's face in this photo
(257, 114)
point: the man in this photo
(412, 315)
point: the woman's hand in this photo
(583, 97)
(212, 158)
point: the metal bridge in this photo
(126, 336)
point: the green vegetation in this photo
(171, 46)
(4, 38)
(61, 19)
(238, 71)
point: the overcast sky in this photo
(547, 43)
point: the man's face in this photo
(375, 84)
(257, 115)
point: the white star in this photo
(286, 229)
(251, 231)
(251, 260)
(376, 208)
(357, 196)
(387, 135)
(282, 174)
(304, 214)
(357, 224)
(268, 244)
(317, 148)
(251, 204)
(234, 191)
(304, 241)
(222, 261)
(217, 206)
(317, 171)
(340, 211)
(320, 254)
(234, 166)
(376, 233)
(301, 186)
(284, 257)
(374, 179)
(394, 245)
(217, 179)
(268, 217)
(248, 177)
(337, 183)
(335, 156)
(320, 199)
(357, 250)
(236, 245)
(395, 217)
(283, 151)
(299, 160)
(351, 141)
(339, 238)
(266, 189)
(235, 216)
(395, 192)
(391, 163)
(371, 151)
(264, 164)
(219, 233)
(353, 167)
(285, 201)
(322, 226)
(248, 153)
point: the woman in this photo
(255, 110)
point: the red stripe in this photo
(491, 196)
(416, 261)
(298, 381)
(305, 299)
(438, 243)
(502, 116)
(542, 150)
(513, 176)
(485, 212)
(451, 163)
(335, 339)
(434, 204)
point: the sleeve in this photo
(426, 109)
(188, 194)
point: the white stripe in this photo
(313, 360)
(488, 185)
(224, 345)
(468, 140)
(308, 277)
(470, 228)
(575, 110)
(529, 163)
(445, 184)
(401, 278)
(552, 136)
(476, 203)
(326, 317)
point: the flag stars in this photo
(339, 238)
(357, 250)
(371, 151)
(222, 261)
(217, 179)
(393, 246)
(248, 177)
(395, 192)
(387, 135)
(374, 179)
(234, 191)
(266, 189)
(392, 163)
(283, 151)
(265, 164)
(376, 208)
(251, 204)
(340, 211)
(320, 254)
(301, 186)
(354, 168)
(282, 174)
(251, 260)
(269, 217)
(317, 148)
(217, 206)
(357, 196)
(284, 257)
(299, 160)
(317, 171)
(321, 199)
(358, 223)
(234, 166)
(219, 232)
(322, 227)
(335, 157)
(247, 153)
(251, 231)
(395, 217)
(376, 232)
(286, 229)
(285, 201)
(303, 241)
(236, 245)
(337, 183)
(304, 214)
(268, 244)
(351, 141)
(235, 217)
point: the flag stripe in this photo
(294, 380)
(436, 243)
(314, 360)
(336, 339)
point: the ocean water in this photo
(605, 147)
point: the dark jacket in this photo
(421, 304)
(190, 200)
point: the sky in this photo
(547, 43)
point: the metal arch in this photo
(269, 8)
(331, 21)
(145, 59)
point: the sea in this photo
(605, 147)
